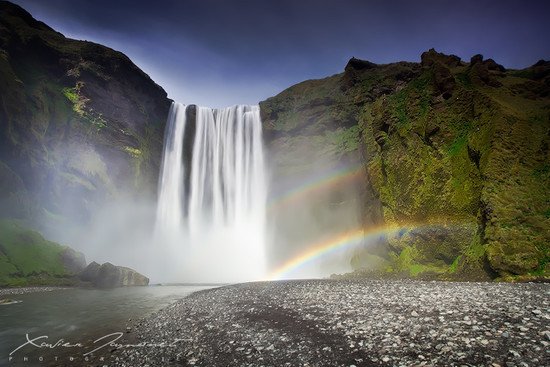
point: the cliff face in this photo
(79, 122)
(456, 152)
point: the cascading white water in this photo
(170, 205)
(212, 205)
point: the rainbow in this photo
(342, 242)
(318, 184)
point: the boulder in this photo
(540, 70)
(108, 275)
(493, 66)
(90, 272)
(430, 57)
(444, 80)
(481, 71)
(476, 59)
(486, 71)
(73, 261)
(358, 64)
(441, 65)
(354, 71)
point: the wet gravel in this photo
(348, 323)
(24, 290)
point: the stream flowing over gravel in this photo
(348, 323)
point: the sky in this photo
(219, 53)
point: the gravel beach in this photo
(348, 323)
(24, 290)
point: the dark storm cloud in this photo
(217, 52)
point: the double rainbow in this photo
(345, 241)
(329, 247)
(342, 241)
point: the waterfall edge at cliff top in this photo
(212, 195)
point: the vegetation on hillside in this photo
(26, 258)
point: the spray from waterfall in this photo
(212, 193)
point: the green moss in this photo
(465, 80)
(133, 151)
(408, 262)
(344, 140)
(417, 269)
(400, 101)
(26, 253)
(7, 269)
(458, 145)
(542, 172)
(475, 251)
(405, 259)
(78, 102)
(543, 268)
(71, 94)
(524, 74)
(454, 266)
(95, 120)
(143, 154)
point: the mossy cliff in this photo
(80, 124)
(459, 150)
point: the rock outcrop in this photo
(456, 153)
(73, 261)
(108, 275)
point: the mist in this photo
(310, 207)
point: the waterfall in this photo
(170, 205)
(212, 191)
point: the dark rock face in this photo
(357, 64)
(444, 80)
(432, 57)
(80, 124)
(476, 59)
(492, 65)
(440, 65)
(73, 261)
(90, 272)
(111, 276)
(441, 142)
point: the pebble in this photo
(514, 353)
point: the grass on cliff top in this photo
(25, 255)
